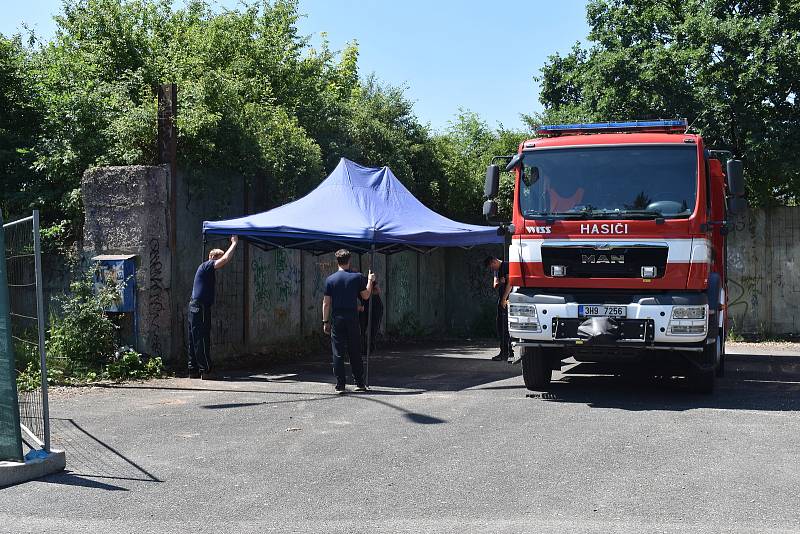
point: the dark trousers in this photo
(502, 330)
(346, 338)
(199, 337)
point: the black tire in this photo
(721, 367)
(536, 368)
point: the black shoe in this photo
(500, 358)
(194, 374)
(361, 388)
(340, 389)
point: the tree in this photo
(255, 100)
(465, 150)
(19, 120)
(731, 67)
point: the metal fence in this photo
(24, 271)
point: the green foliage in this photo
(465, 150)
(731, 68)
(83, 336)
(82, 343)
(255, 100)
(30, 378)
(19, 118)
(130, 365)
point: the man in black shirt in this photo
(500, 271)
(200, 310)
(340, 318)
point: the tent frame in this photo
(386, 249)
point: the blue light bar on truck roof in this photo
(660, 126)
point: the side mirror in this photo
(490, 209)
(737, 205)
(514, 162)
(492, 185)
(736, 177)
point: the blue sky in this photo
(472, 54)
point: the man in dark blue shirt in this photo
(200, 311)
(500, 270)
(340, 318)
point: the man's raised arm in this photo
(365, 293)
(220, 263)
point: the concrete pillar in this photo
(127, 213)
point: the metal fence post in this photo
(37, 250)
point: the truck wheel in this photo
(536, 368)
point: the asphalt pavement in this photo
(446, 441)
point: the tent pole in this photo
(369, 319)
(203, 255)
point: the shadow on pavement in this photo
(751, 382)
(67, 478)
(429, 369)
(89, 457)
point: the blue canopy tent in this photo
(356, 207)
(363, 209)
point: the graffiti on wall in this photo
(261, 285)
(156, 299)
(403, 301)
(276, 280)
(287, 277)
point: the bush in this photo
(82, 345)
(129, 364)
(30, 379)
(84, 337)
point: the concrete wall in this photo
(127, 213)
(266, 298)
(262, 298)
(764, 272)
(194, 205)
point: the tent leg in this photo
(369, 321)
(203, 255)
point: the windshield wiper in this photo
(558, 214)
(643, 214)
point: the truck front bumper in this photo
(552, 319)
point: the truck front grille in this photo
(617, 262)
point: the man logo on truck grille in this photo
(602, 258)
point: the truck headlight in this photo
(688, 320)
(523, 317)
(689, 312)
(522, 310)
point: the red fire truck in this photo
(617, 249)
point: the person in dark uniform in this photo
(501, 285)
(377, 314)
(340, 318)
(200, 311)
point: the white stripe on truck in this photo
(679, 250)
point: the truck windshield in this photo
(610, 182)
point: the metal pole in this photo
(369, 319)
(37, 246)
